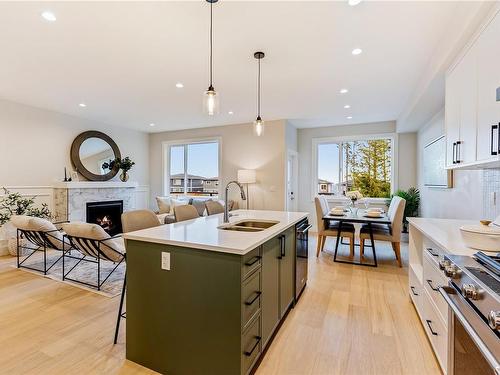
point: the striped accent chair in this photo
(36, 235)
(95, 245)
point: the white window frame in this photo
(368, 137)
(166, 160)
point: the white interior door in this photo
(291, 181)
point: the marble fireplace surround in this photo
(70, 198)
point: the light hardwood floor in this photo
(350, 320)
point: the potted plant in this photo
(125, 165)
(15, 204)
(412, 198)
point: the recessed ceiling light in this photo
(349, 117)
(83, 105)
(347, 106)
(230, 113)
(49, 16)
(344, 91)
(353, 2)
(152, 124)
(179, 85)
(357, 51)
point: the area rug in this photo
(85, 271)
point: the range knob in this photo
(443, 263)
(471, 291)
(494, 319)
(452, 271)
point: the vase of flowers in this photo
(354, 196)
(15, 204)
(124, 164)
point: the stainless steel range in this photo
(473, 294)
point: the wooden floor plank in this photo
(350, 320)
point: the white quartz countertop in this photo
(204, 232)
(445, 233)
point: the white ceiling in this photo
(123, 59)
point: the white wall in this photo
(464, 200)
(35, 145)
(241, 149)
(406, 163)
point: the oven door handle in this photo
(490, 358)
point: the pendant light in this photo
(258, 124)
(210, 97)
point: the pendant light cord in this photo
(258, 93)
(211, 43)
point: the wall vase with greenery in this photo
(125, 165)
(15, 204)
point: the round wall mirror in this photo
(89, 151)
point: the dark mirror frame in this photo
(77, 162)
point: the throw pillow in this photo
(163, 204)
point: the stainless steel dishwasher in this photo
(301, 250)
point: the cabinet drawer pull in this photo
(498, 140)
(430, 327)
(453, 152)
(249, 353)
(432, 252)
(432, 287)
(252, 261)
(250, 303)
(493, 128)
(459, 143)
(413, 291)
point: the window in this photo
(193, 168)
(365, 165)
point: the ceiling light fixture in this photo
(179, 85)
(357, 51)
(152, 124)
(210, 98)
(83, 105)
(349, 117)
(258, 123)
(353, 2)
(230, 113)
(347, 106)
(49, 16)
(344, 91)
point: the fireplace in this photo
(107, 215)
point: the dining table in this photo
(358, 216)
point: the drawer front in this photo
(433, 279)
(251, 345)
(436, 331)
(251, 297)
(250, 262)
(416, 290)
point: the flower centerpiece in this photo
(354, 196)
(15, 204)
(125, 165)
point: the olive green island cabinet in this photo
(212, 312)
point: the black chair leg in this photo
(119, 318)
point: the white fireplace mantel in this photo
(95, 185)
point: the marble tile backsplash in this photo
(491, 185)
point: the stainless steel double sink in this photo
(249, 225)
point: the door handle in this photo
(493, 128)
(459, 143)
(283, 249)
(453, 152)
(248, 353)
(498, 141)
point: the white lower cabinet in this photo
(436, 331)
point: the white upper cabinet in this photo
(488, 80)
(472, 112)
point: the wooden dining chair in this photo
(330, 229)
(390, 233)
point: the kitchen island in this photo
(204, 297)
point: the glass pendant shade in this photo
(211, 102)
(258, 126)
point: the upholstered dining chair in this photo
(132, 221)
(34, 235)
(139, 219)
(185, 212)
(214, 207)
(390, 233)
(330, 229)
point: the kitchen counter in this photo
(444, 233)
(204, 232)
